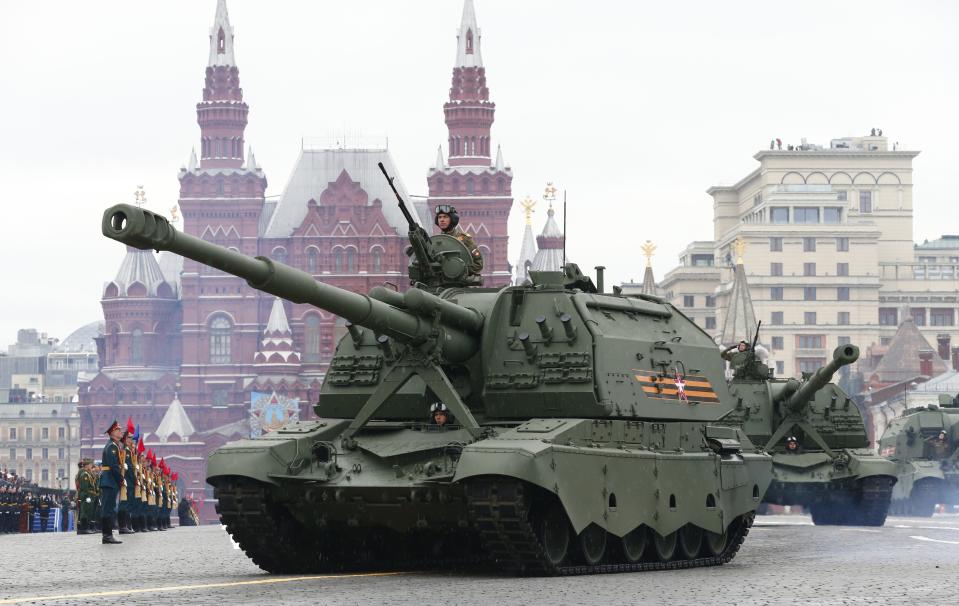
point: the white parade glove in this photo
(88, 499)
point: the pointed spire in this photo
(277, 325)
(251, 160)
(221, 37)
(649, 282)
(440, 163)
(740, 322)
(468, 39)
(500, 165)
(193, 164)
(175, 421)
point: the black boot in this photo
(107, 525)
(124, 525)
(86, 528)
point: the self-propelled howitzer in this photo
(582, 434)
(816, 434)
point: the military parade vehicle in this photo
(924, 443)
(817, 437)
(581, 439)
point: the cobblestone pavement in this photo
(786, 561)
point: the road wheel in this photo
(714, 543)
(633, 544)
(665, 547)
(592, 544)
(553, 530)
(690, 539)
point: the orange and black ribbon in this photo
(663, 387)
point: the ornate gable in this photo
(344, 192)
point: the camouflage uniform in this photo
(476, 266)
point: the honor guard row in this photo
(136, 492)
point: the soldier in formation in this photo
(87, 495)
(111, 480)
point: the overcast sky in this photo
(635, 108)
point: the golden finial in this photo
(174, 217)
(528, 205)
(549, 194)
(740, 247)
(140, 196)
(648, 249)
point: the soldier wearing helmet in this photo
(447, 219)
(440, 415)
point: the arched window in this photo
(377, 258)
(469, 186)
(279, 254)
(220, 42)
(221, 333)
(312, 341)
(338, 261)
(501, 185)
(312, 260)
(136, 346)
(351, 260)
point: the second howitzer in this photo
(575, 430)
(816, 434)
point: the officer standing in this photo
(111, 481)
(447, 219)
(87, 495)
(126, 492)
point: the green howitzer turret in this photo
(817, 436)
(547, 427)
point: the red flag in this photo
(140, 447)
(174, 476)
(131, 429)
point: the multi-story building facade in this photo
(188, 351)
(40, 441)
(829, 255)
(692, 285)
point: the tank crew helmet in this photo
(792, 443)
(449, 211)
(438, 407)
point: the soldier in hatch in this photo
(939, 445)
(447, 219)
(440, 415)
(730, 353)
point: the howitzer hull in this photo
(551, 496)
(922, 485)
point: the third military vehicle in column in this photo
(924, 443)
(583, 436)
(817, 437)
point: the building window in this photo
(885, 340)
(778, 343)
(45, 433)
(13, 455)
(809, 269)
(312, 260)
(939, 317)
(136, 346)
(842, 195)
(809, 318)
(13, 433)
(779, 214)
(29, 454)
(221, 334)
(888, 316)
(221, 398)
(29, 434)
(842, 318)
(338, 261)
(377, 261)
(842, 269)
(775, 244)
(689, 301)
(60, 453)
(832, 215)
(61, 473)
(710, 301)
(918, 315)
(842, 244)
(842, 293)
(710, 323)
(758, 199)
(809, 365)
(776, 319)
(775, 269)
(809, 244)
(776, 293)
(29, 475)
(780, 367)
(279, 254)
(810, 341)
(805, 215)
(865, 201)
(809, 293)
(311, 351)
(844, 340)
(45, 454)
(351, 260)
(61, 433)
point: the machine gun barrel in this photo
(841, 356)
(458, 325)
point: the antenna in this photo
(564, 228)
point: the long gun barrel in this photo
(841, 356)
(413, 325)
